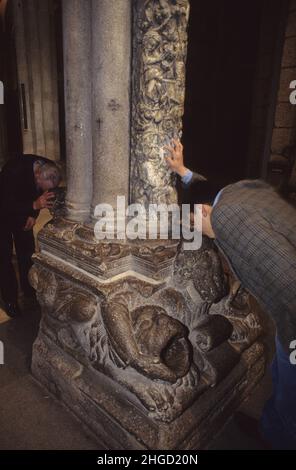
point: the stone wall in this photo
(264, 89)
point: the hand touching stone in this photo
(175, 158)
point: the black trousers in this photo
(24, 246)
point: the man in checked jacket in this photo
(256, 230)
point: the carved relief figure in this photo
(158, 95)
(147, 339)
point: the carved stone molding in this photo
(77, 244)
(166, 342)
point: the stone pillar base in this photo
(152, 347)
(119, 421)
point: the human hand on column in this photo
(175, 158)
(45, 201)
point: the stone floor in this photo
(32, 419)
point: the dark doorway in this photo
(221, 64)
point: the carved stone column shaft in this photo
(160, 43)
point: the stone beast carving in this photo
(148, 340)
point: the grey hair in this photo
(49, 171)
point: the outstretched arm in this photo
(175, 161)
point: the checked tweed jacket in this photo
(256, 230)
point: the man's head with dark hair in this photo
(201, 192)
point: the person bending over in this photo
(255, 229)
(25, 188)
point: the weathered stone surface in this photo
(150, 345)
(77, 244)
(285, 115)
(121, 422)
(160, 44)
(281, 138)
(163, 343)
(289, 54)
(111, 70)
(78, 106)
(287, 76)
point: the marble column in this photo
(78, 106)
(111, 69)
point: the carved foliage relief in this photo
(160, 45)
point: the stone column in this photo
(160, 45)
(78, 106)
(111, 61)
(150, 345)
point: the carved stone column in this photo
(151, 346)
(160, 46)
(78, 106)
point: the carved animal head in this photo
(160, 335)
(203, 267)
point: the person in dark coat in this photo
(255, 229)
(25, 184)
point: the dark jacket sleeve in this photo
(17, 193)
(195, 177)
(16, 206)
